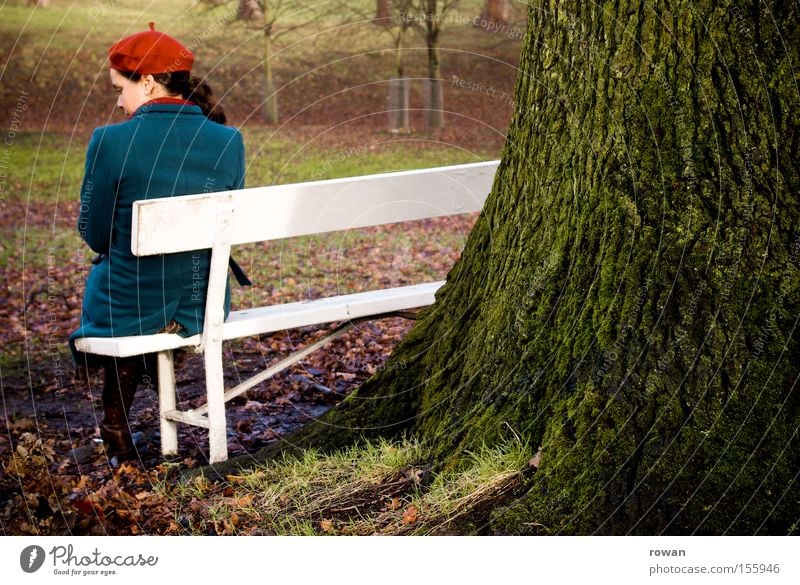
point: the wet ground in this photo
(68, 413)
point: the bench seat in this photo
(263, 320)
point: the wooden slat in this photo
(273, 318)
(289, 316)
(135, 344)
(185, 223)
(297, 356)
(188, 417)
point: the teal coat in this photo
(163, 150)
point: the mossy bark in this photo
(629, 297)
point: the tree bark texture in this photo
(629, 298)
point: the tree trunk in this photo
(629, 298)
(435, 96)
(270, 106)
(398, 104)
(383, 12)
(494, 12)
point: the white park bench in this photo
(220, 220)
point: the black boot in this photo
(121, 376)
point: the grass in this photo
(273, 160)
(47, 167)
(374, 488)
(44, 167)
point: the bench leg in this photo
(167, 400)
(215, 388)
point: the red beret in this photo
(150, 52)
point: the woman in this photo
(173, 143)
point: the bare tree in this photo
(396, 18)
(280, 17)
(429, 18)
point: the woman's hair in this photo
(189, 88)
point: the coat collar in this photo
(167, 105)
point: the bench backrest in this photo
(195, 222)
(220, 220)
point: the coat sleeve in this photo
(98, 193)
(241, 167)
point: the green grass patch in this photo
(374, 488)
(44, 167)
(37, 248)
(274, 161)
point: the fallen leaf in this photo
(244, 501)
(410, 515)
